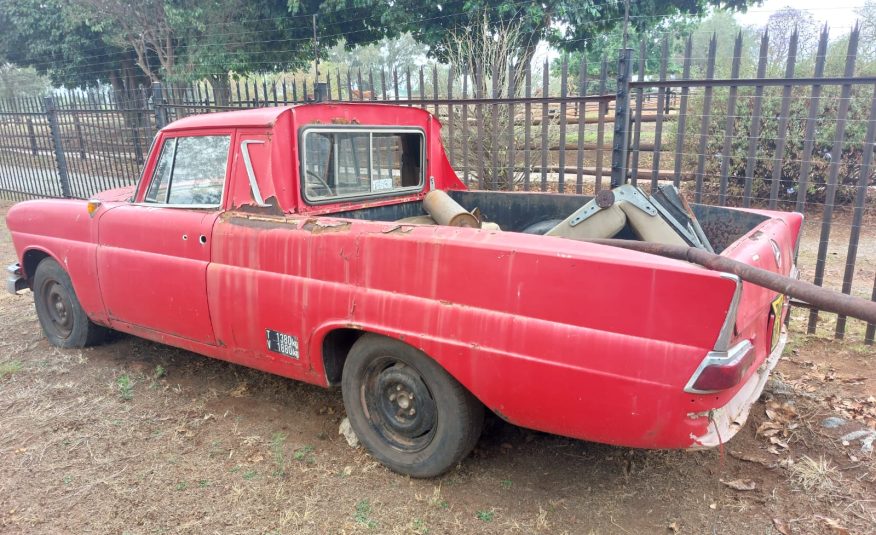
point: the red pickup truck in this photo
(294, 240)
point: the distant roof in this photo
(266, 117)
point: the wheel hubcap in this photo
(57, 304)
(399, 404)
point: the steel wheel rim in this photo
(398, 404)
(59, 309)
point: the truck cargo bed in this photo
(514, 212)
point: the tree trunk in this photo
(221, 89)
(129, 101)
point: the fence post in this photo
(60, 159)
(31, 133)
(621, 142)
(158, 105)
(77, 124)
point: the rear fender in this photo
(770, 246)
(562, 390)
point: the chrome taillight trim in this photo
(721, 358)
(726, 332)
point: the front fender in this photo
(62, 230)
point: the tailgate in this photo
(770, 246)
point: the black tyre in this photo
(61, 316)
(542, 227)
(407, 411)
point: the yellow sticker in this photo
(778, 305)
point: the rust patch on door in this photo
(399, 229)
(315, 226)
(255, 221)
(272, 208)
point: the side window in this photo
(344, 163)
(161, 177)
(190, 170)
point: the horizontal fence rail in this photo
(716, 126)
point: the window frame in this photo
(143, 189)
(359, 129)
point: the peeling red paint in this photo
(561, 336)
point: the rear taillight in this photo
(721, 370)
(724, 366)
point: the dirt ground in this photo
(137, 438)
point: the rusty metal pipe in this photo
(445, 211)
(818, 297)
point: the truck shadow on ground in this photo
(505, 452)
(167, 419)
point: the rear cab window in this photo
(341, 163)
(190, 172)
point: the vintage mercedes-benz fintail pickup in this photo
(334, 244)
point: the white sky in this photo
(839, 14)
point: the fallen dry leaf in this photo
(854, 380)
(779, 442)
(673, 527)
(833, 525)
(740, 484)
(768, 429)
(239, 391)
(781, 526)
(749, 458)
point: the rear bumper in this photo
(726, 421)
(15, 280)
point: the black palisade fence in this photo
(743, 127)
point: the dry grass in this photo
(8, 368)
(817, 476)
(135, 437)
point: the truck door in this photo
(153, 253)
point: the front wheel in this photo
(62, 318)
(407, 411)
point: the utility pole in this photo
(626, 23)
(320, 89)
(315, 52)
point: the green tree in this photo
(566, 24)
(89, 42)
(781, 26)
(723, 27)
(867, 44)
(605, 47)
(400, 53)
(44, 35)
(21, 81)
(183, 40)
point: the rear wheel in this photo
(62, 318)
(407, 411)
